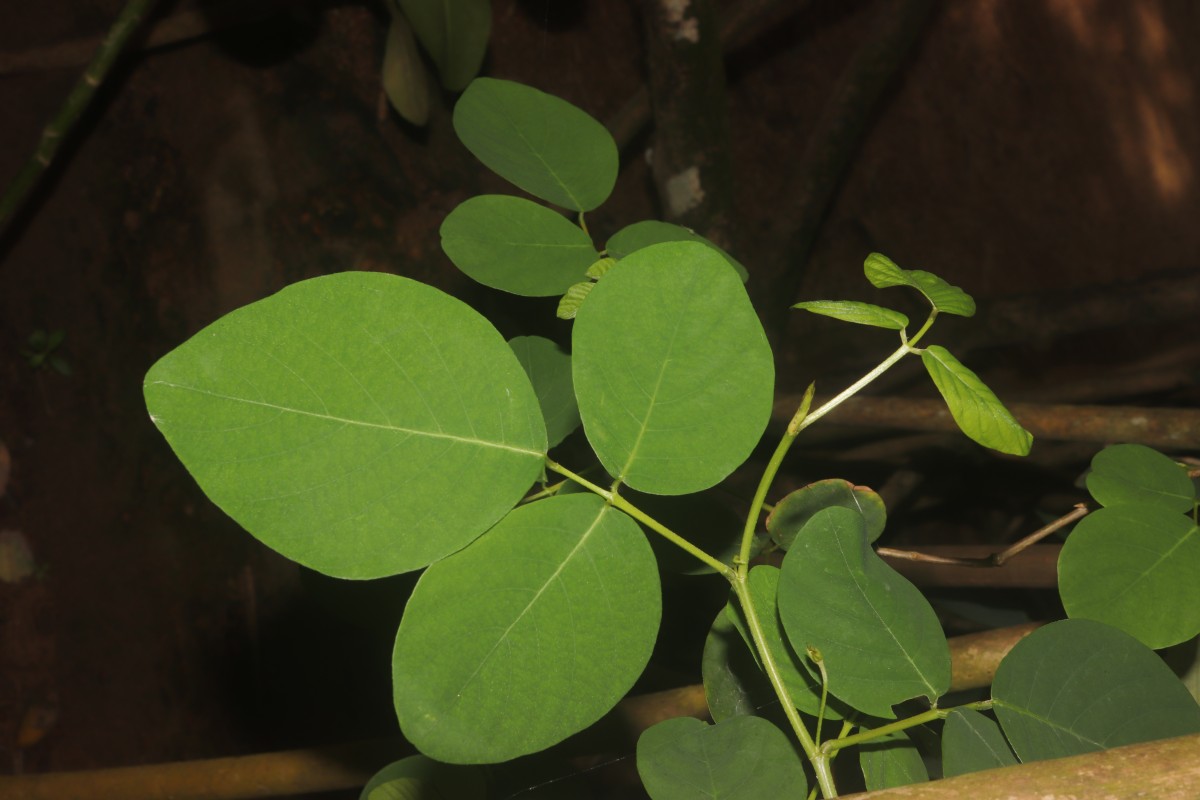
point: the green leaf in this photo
(516, 245)
(798, 507)
(1077, 686)
(568, 305)
(634, 237)
(856, 312)
(739, 758)
(972, 742)
(890, 761)
(1134, 473)
(454, 33)
(361, 424)
(882, 272)
(538, 142)
(527, 636)
(596, 271)
(879, 637)
(549, 370)
(672, 370)
(404, 80)
(733, 682)
(978, 412)
(1127, 564)
(421, 778)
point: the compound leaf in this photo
(454, 33)
(1127, 564)
(542, 144)
(549, 370)
(634, 237)
(673, 373)
(338, 422)
(882, 272)
(879, 637)
(740, 758)
(516, 245)
(1134, 473)
(527, 636)
(856, 312)
(978, 412)
(972, 742)
(1076, 686)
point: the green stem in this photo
(834, 745)
(616, 501)
(768, 477)
(820, 760)
(73, 107)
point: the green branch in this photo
(834, 745)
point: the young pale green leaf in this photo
(527, 636)
(404, 80)
(454, 33)
(1134, 473)
(673, 372)
(421, 778)
(978, 412)
(891, 761)
(549, 370)
(634, 237)
(596, 271)
(972, 742)
(733, 682)
(797, 508)
(568, 305)
(740, 758)
(1077, 686)
(879, 637)
(338, 419)
(1127, 564)
(856, 312)
(516, 245)
(542, 144)
(882, 272)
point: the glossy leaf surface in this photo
(856, 312)
(516, 245)
(454, 33)
(976, 409)
(879, 637)
(882, 272)
(1076, 686)
(339, 419)
(1134, 473)
(647, 232)
(798, 507)
(891, 761)
(741, 758)
(672, 369)
(421, 778)
(527, 636)
(972, 742)
(1137, 568)
(549, 370)
(542, 144)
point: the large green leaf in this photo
(1134, 473)
(362, 424)
(549, 370)
(879, 637)
(882, 272)
(1136, 567)
(634, 237)
(672, 370)
(527, 636)
(421, 778)
(798, 507)
(455, 33)
(856, 312)
(404, 80)
(516, 245)
(1076, 686)
(544, 145)
(972, 742)
(740, 758)
(976, 409)
(890, 761)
